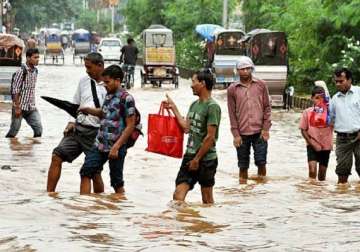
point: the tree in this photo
(31, 13)
(321, 34)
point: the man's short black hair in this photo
(114, 72)
(317, 90)
(95, 58)
(347, 72)
(207, 76)
(31, 51)
(130, 40)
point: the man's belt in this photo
(342, 134)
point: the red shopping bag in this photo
(165, 135)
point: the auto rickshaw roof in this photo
(8, 40)
(81, 31)
(53, 31)
(158, 28)
(256, 32)
(217, 33)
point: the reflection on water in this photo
(282, 212)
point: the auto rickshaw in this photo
(81, 43)
(159, 57)
(11, 48)
(53, 49)
(269, 52)
(228, 48)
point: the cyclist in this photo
(128, 56)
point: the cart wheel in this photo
(176, 81)
(128, 80)
(142, 80)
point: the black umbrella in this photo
(69, 107)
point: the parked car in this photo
(110, 49)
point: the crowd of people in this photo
(107, 116)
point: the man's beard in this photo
(245, 78)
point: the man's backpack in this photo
(138, 126)
(23, 68)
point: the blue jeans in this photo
(32, 118)
(95, 160)
(260, 151)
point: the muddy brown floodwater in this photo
(284, 213)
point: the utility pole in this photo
(1, 16)
(112, 18)
(225, 13)
(113, 3)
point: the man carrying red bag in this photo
(202, 124)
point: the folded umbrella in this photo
(69, 107)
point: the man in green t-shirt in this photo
(202, 123)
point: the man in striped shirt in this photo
(23, 96)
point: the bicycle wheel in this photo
(132, 80)
(128, 86)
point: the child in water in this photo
(318, 133)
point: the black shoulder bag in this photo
(94, 94)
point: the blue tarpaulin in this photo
(207, 30)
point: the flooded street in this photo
(284, 213)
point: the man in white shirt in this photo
(79, 136)
(345, 113)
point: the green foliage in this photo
(31, 13)
(88, 20)
(140, 14)
(189, 53)
(318, 35)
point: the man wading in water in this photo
(202, 123)
(250, 118)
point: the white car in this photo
(110, 49)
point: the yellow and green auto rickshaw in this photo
(159, 57)
(53, 49)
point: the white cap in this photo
(244, 62)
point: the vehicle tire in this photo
(128, 85)
(132, 80)
(142, 80)
(176, 81)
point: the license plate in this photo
(160, 72)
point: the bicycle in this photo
(129, 71)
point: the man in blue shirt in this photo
(345, 114)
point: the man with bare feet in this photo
(202, 124)
(250, 118)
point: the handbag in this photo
(165, 135)
(318, 117)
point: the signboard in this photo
(162, 55)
